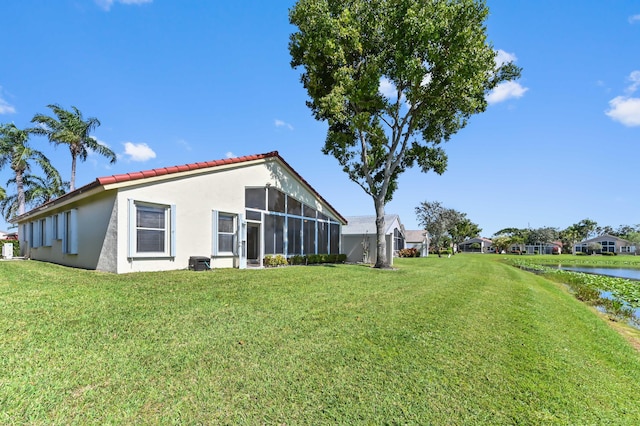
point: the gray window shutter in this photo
(173, 231)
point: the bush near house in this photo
(310, 259)
(409, 252)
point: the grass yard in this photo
(465, 340)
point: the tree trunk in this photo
(381, 246)
(72, 184)
(21, 198)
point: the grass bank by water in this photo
(465, 340)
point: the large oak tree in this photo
(393, 79)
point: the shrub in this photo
(409, 252)
(581, 253)
(297, 260)
(608, 253)
(273, 261)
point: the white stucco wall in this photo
(92, 219)
(103, 215)
(195, 197)
(352, 246)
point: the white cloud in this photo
(625, 110)
(503, 57)
(184, 144)
(634, 78)
(138, 152)
(633, 19)
(387, 88)
(505, 91)
(280, 123)
(106, 4)
(5, 107)
(230, 155)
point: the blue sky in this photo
(177, 82)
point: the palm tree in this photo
(15, 151)
(37, 191)
(70, 128)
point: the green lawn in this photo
(465, 340)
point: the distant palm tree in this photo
(70, 128)
(37, 191)
(15, 151)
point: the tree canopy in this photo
(393, 79)
(72, 129)
(444, 224)
(16, 152)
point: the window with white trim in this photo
(225, 228)
(151, 229)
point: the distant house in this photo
(476, 245)
(359, 238)
(418, 240)
(230, 213)
(554, 247)
(604, 243)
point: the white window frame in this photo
(215, 250)
(170, 229)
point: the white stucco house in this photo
(605, 243)
(359, 238)
(476, 245)
(232, 212)
(419, 240)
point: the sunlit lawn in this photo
(465, 340)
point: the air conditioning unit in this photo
(199, 263)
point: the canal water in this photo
(627, 273)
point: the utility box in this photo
(7, 250)
(199, 263)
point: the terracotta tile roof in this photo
(126, 177)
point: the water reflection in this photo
(627, 273)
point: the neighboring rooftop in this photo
(358, 225)
(414, 236)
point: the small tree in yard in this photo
(437, 220)
(393, 79)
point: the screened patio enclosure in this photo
(289, 227)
